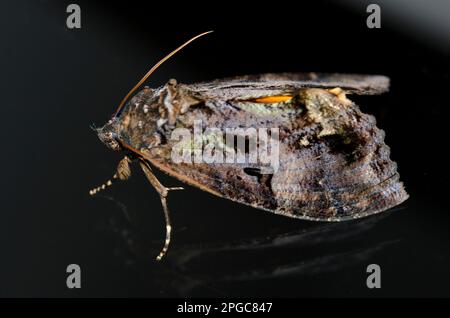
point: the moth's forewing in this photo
(333, 163)
(264, 84)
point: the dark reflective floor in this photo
(279, 257)
(57, 82)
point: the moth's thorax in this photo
(152, 114)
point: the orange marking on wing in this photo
(272, 99)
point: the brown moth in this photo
(333, 164)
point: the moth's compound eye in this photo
(112, 142)
(114, 145)
(109, 139)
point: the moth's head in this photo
(109, 134)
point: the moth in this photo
(331, 160)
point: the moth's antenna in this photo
(168, 56)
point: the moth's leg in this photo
(123, 172)
(162, 191)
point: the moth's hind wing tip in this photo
(377, 84)
(358, 84)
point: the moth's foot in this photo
(123, 173)
(174, 188)
(102, 187)
(166, 243)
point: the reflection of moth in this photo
(333, 164)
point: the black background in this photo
(56, 82)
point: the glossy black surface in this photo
(57, 82)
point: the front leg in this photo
(123, 172)
(162, 191)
